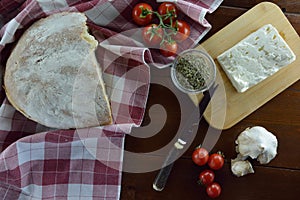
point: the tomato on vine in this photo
(182, 30)
(168, 11)
(142, 14)
(152, 35)
(167, 32)
(168, 48)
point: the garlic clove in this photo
(241, 167)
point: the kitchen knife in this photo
(185, 134)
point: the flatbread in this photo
(52, 76)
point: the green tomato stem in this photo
(166, 27)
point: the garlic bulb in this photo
(257, 143)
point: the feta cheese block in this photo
(255, 58)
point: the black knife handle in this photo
(162, 177)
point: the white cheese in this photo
(256, 57)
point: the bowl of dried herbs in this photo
(193, 71)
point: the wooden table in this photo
(280, 179)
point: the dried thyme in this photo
(192, 71)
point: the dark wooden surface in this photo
(280, 179)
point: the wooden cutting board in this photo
(228, 107)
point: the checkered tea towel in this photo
(37, 162)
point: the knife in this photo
(185, 134)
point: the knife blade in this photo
(185, 134)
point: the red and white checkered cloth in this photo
(39, 163)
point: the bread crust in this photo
(52, 75)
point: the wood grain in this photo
(278, 180)
(239, 105)
(228, 14)
(183, 185)
(292, 6)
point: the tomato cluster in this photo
(167, 33)
(215, 161)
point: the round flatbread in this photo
(52, 76)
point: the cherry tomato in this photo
(168, 10)
(213, 190)
(142, 14)
(168, 48)
(206, 177)
(216, 161)
(152, 35)
(183, 30)
(200, 156)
